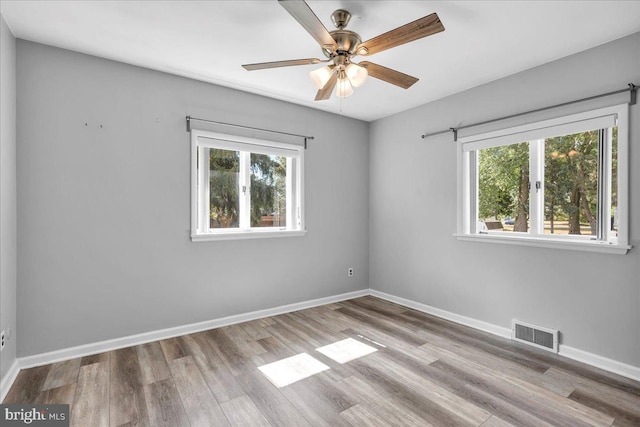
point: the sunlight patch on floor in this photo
(346, 350)
(288, 371)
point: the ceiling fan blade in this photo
(302, 13)
(276, 64)
(415, 30)
(388, 75)
(325, 92)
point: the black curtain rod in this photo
(189, 118)
(632, 89)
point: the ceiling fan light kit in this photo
(321, 76)
(357, 74)
(341, 45)
(343, 88)
(349, 76)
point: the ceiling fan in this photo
(341, 45)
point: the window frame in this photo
(535, 133)
(201, 139)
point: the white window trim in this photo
(467, 145)
(295, 182)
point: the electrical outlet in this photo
(2, 340)
(350, 272)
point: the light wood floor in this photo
(431, 372)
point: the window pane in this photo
(571, 184)
(614, 182)
(503, 192)
(224, 173)
(268, 191)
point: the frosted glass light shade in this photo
(343, 88)
(357, 74)
(321, 76)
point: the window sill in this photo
(241, 235)
(588, 246)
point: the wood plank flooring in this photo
(426, 372)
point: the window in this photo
(244, 187)
(556, 183)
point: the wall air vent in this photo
(536, 336)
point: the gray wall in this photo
(8, 215)
(594, 299)
(104, 211)
(104, 207)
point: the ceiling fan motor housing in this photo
(347, 42)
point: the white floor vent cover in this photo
(537, 336)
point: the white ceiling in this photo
(209, 40)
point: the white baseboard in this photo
(131, 340)
(591, 359)
(8, 379)
(601, 362)
(443, 314)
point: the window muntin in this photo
(242, 187)
(577, 179)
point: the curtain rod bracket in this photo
(632, 89)
(455, 134)
(188, 123)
